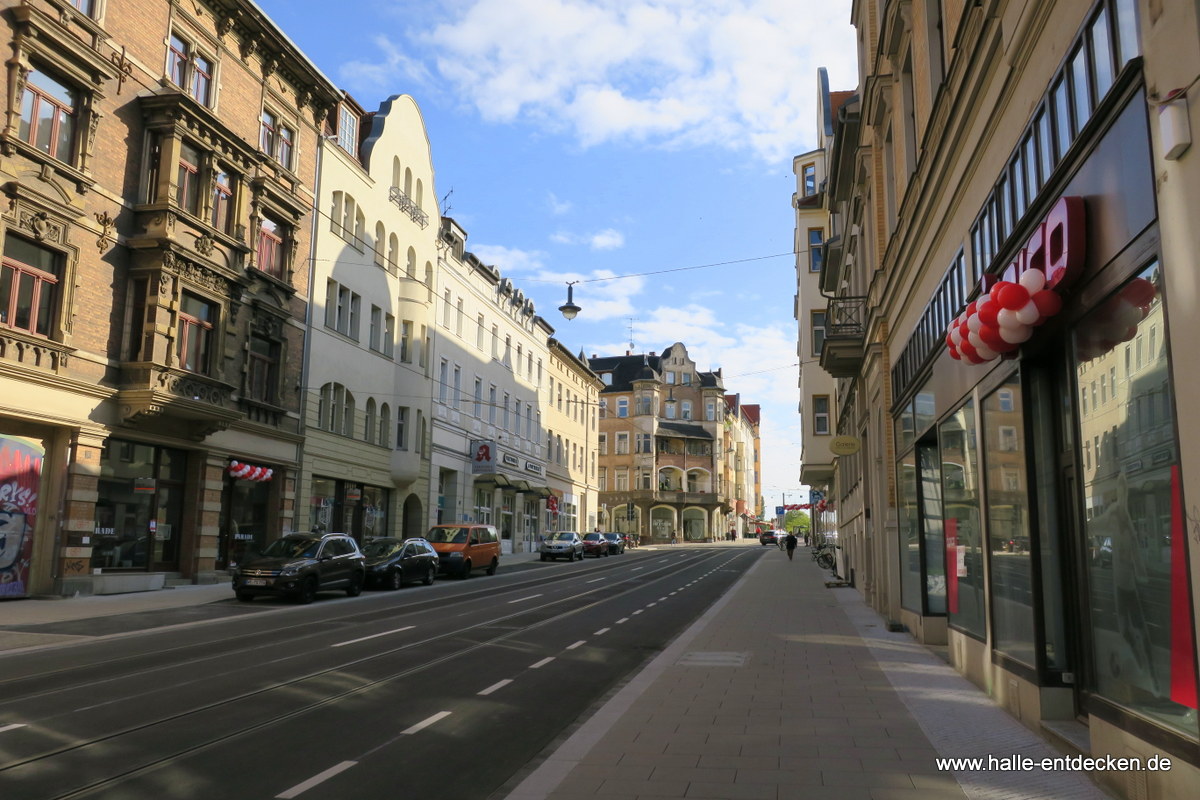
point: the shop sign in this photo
(483, 456)
(534, 467)
(510, 460)
(1027, 293)
(353, 494)
(845, 445)
(143, 485)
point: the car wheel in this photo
(395, 579)
(356, 586)
(491, 570)
(466, 570)
(308, 591)
(430, 574)
(571, 556)
(544, 557)
(245, 597)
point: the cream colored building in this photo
(367, 386)
(571, 413)
(1013, 194)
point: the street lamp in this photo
(569, 309)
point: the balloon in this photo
(1034, 280)
(1007, 318)
(1028, 313)
(975, 341)
(987, 310)
(986, 353)
(974, 323)
(968, 351)
(1010, 295)
(1140, 292)
(1048, 302)
(994, 341)
(1016, 335)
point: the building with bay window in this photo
(367, 387)
(1013, 192)
(154, 286)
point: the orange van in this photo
(464, 547)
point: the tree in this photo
(797, 522)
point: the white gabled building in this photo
(367, 387)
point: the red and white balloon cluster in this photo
(1116, 321)
(999, 321)
(249, 472)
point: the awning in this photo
(540, 491)
(494, 478)
(521, 486)
(249, 472)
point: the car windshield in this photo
(565, 537)
(612, 536)
(382, 547)
(293, 548)
(447, 535)
(593, 537)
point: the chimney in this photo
(652, 354)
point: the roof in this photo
(684, 430)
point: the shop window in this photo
(1136, 556)
(139, 507)
(197, 318)
(961, 522)
(262, 374)
(910, 535)
(29, 286)
(49, 116)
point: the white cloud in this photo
(510, 260)
(740, 74)
(607, 239)
(396, 67)
(558, 207)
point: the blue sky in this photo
(586, 139)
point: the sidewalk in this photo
(787, 689)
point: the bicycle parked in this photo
(825, 555)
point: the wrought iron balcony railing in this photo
(408, 206)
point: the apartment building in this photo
(489, 353)
(742, 464)
(1010, 257)
(159, 163)
(662, 448)
(368, 387)
(571, 416)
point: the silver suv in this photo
(301, 564)
(564, 544)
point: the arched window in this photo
(335, 212)
(347, 413)
(335, 409)
(380, 238)
(385, 425)
(395, 171)
(393, 256)
(412, 263)
(408, 181)
(420, 193)
(360, 228)
(369, 426)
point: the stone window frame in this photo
(40, 223)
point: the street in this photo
(453, 691)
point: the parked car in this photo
(616, 543)
(299, 565)
(394, 562)
(594, 544)
(464, 547)
(563, 544)
(766, 537)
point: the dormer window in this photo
(348, 131)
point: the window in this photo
(271, 247)
(385, 425)
(818, 331)
(457, 387)
(347, 130)
(402, 428)
(196, 318)
(406, 330)
(190, 70)
(222, 200)
(809, 175)
(262, 369)
(389, 335)
(643, 443)
(376, 331)
(29, 286)
(820, 407)
(492, 404)
(443, 380)
(48, 116)
(622, 443)
(622, 480)
(369, 421)
(342, 308)
(816, 239)
(277, 140)
(187, 193)
(685, 409)
(335, 412)
(602, 446)
(478, 399)
(710, 410)
(623, 407)
(479, 332)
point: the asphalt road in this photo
(453, 691)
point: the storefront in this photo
(247, 522)
(1041, 513)
(139, 521)
(350, 507)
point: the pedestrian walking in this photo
(790, 541)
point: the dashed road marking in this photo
(496, 686)
(523, 599)
(425, 723)
(541, 663)
(374, 636)
(12, 727)
(622, 620)
(580, 643)
(602, 631)
(300, 788)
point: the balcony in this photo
(845, 335)
(408, 206)
(155, 394)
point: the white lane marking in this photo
(602, 631)
(523, 599)
(651, 605)
(495, 686)
(425, 723)
(640, 610)
(661, 599)
(597, 580)
(541, 663)
(12, 727)
(580, 643)
(635, 569)
(374, 636)
(300, 788)
(622, 620)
